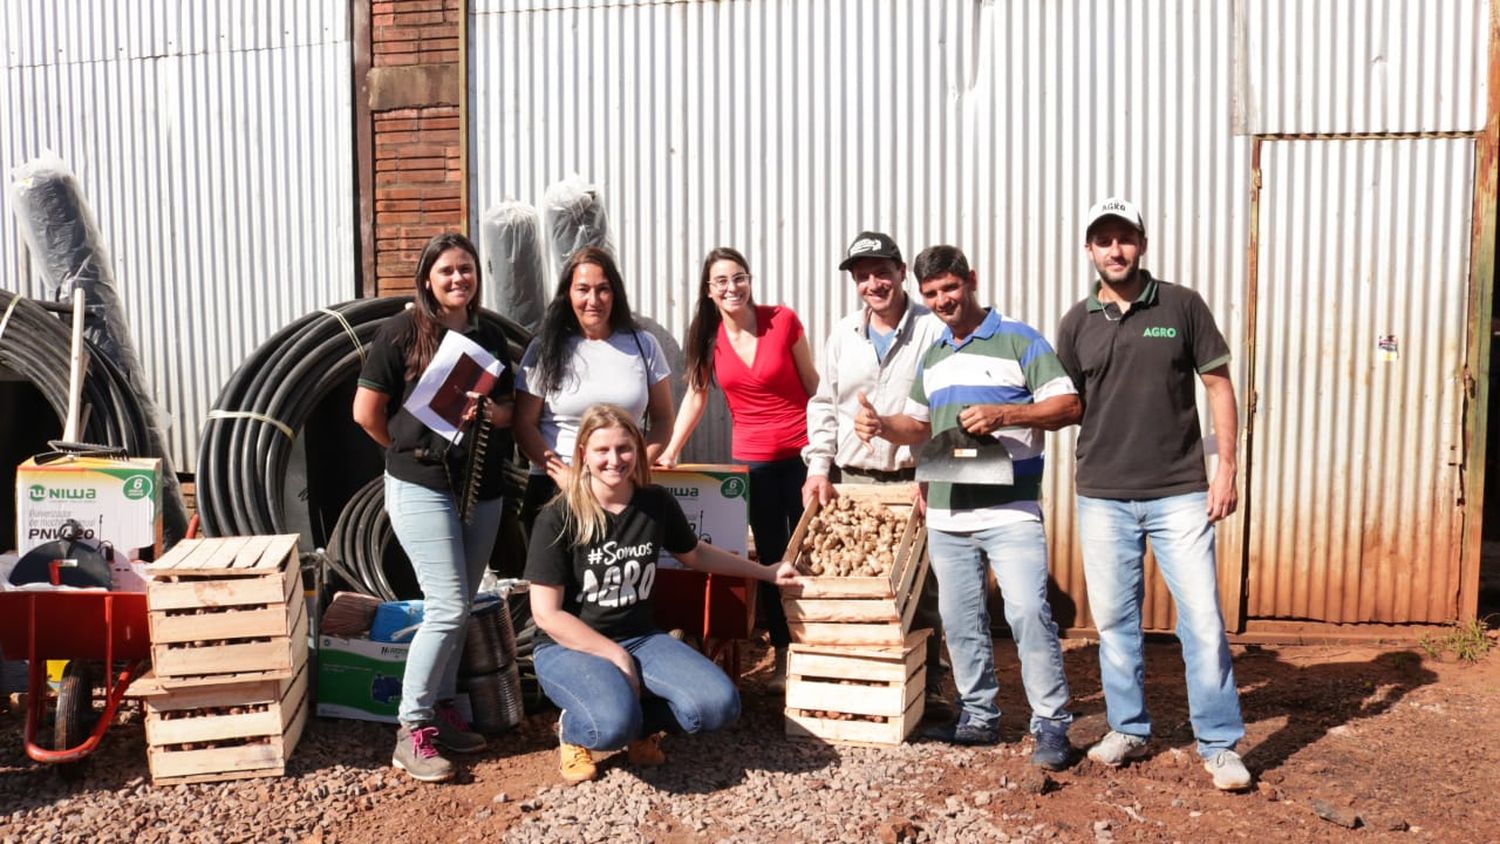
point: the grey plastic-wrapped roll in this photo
(515, 271)
(64, 240)
(575, 217)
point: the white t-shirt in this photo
(619, 369)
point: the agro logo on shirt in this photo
(1159, 331)
(619, 575)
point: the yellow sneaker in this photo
(646, 752)
(577, 763)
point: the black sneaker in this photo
(965, 732)
(1052, 751)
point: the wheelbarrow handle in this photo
(36, 708)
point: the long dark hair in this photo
(427, 327)
(703, 331)
(560, 322)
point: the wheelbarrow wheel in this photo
(75, 711)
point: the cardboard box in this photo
(360, 679)
(716, 500)
(116, 501)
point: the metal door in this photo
(1360, 303)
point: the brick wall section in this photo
(418, 183)
(418, 179)
(415, 31)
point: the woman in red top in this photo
(759, 356)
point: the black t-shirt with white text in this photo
(608, 583)
(444, 466)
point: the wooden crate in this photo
(885, 687)
(193, 736)
(227, 606)
(860, 611)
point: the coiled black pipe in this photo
(35, 344)
(242, 461)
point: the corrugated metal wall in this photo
(1360, 336)
(786, 127)
(1363, 66)
(213, 141)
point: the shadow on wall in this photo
(710, 443)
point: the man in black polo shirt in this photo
(1134, 349)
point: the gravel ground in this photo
(788, 796)
(110, 797)
(1384, 740)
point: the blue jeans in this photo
(1114, 535)
(775, 508)
(1017, 553)
(448, 558)
(682, 692)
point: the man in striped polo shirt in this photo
(999, 377)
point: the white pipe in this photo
(77, 365)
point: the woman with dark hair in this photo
(424, 473)
(588, 350)
(592, 565)
(760, 357)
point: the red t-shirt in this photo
(766, 400)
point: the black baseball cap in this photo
(871, 245)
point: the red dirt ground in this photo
(1409, 743)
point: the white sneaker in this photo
(1228, 770)
(1115, 748)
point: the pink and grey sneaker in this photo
(417, 754)
(453, 732)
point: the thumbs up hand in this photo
(867, 423)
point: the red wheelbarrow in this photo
(83, 627)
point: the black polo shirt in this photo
(444, 465)
(1136, 374)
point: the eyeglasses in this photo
(723, 282)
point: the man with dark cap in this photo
(874, 352)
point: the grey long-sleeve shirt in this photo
(848, 365)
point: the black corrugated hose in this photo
(242, 462)
(247, 442)
(35, 344)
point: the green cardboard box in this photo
(360, 679)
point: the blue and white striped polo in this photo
(1003, 361)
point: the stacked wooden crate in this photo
(856, 671)
(228, 694)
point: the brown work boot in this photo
(577, 763)
(645, 752)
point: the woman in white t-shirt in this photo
(587, 351)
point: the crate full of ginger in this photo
(864, 558)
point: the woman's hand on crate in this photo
(786, 574)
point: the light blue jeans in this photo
(448, 558)
(1017, 553)
(1114, 535)
(682, 691)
